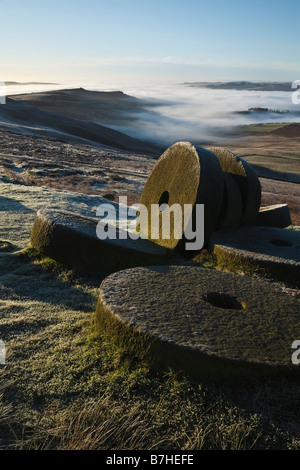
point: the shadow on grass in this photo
(8, 204)
(24, 277)
(264, 172)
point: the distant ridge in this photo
(30, 83)
(108, 108)
(37, 121)
(243, 85)
(268, 111)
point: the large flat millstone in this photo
(275, 250)
(201, 321)
(72, 239)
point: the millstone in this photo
(184, 174)
(246, 179)
(275, 250)
(202, 322)
(71, 239)
(232, 206)
(274, 216)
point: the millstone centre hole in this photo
(221, 300)
(281, 242)
(163, 201)
(5, 246)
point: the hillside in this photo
(22, 116)
(95, 106)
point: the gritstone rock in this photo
(184, 174)
(274, 216)
(275, 250)
(201, 322)
(246, 179)
(71, 239)
(232, 206)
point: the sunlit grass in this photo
(84, 392)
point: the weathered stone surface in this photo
(275, 250)
(71, 239)
(277, 215)
(232, 205)
(246, 179)
(184, 174)
(200, 321)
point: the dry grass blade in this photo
(99, 425)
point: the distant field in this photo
(273, 149)
(276, 167)
(267, 127)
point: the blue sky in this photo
(174, 40)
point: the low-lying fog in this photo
(176, 112)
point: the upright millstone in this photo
(232, 206)
(246, 179)
(184, 175)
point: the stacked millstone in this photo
(186, 174)
(224, 183)
(260, 239)
(242, 191)
(242, 195)
(249, 199)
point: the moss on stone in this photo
(186, 174)
(232, 206)
(71, 239)
(271, 251)
(246, 179)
